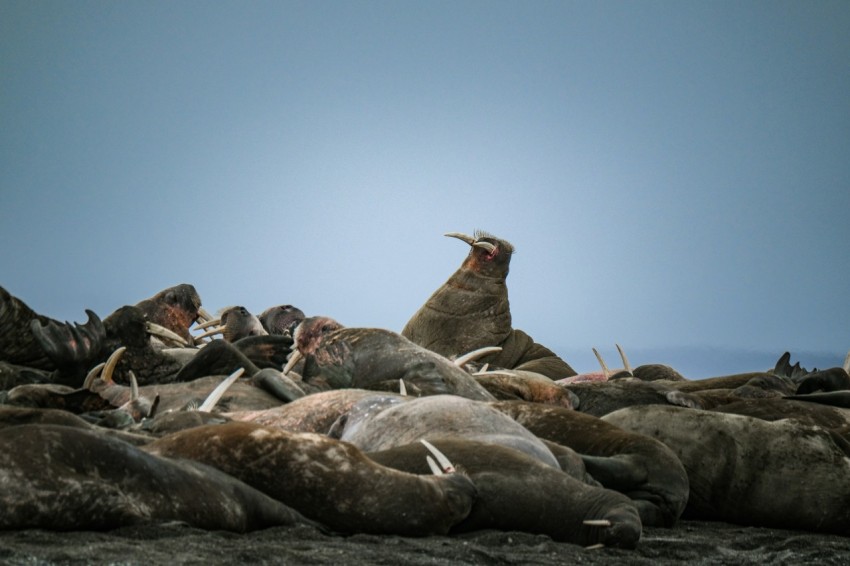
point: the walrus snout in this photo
(460, 496)
(623, 528)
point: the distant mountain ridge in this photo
(700, 362)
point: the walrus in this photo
(281, 319)
(328, 481)
(642, 468)
(748, 471)
(175, 308)
(238, 322)
(68, 478)
(317, 412)
(373, 358)
(519, 493)
(471, 311)
(440, 416)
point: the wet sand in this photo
(692, 542)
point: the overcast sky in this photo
(672, 174)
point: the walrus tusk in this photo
(597, 522)
(847, 363)
(475, 354)
(502, 372)
(623, 357)
(205, 314)
(401, 388)
(605, 371)
(163, 332)
(134, 387)
(445, 465)
(111, 363)
(465, 237)
(208, 333)
(217, 393)
(435, 469)
(485, 245)
(92, 375)
(208, 323)
(294, 358)
(594, 546)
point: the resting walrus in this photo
(471, 311)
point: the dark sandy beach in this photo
(692, 542)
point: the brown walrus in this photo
(327, 480)
(337, 357)
(68, 478)
(471, 311)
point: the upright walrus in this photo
(471, 311)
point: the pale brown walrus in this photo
(471, 311)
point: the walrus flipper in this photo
(71, 348)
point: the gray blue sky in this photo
(674, 175)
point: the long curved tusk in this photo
(294, 358)
(605, 371)
(401, 388)
(486, 246)
(92, 375)
(502, 372)
(594, 546)
(163, 332)
(111, 363)
(847, 363)
(445, 465)
(623, 357)
(205, 314)
(475, 354)
(465, 237)
(219, 330)
(134, 387)
(207, 324)
(217, 393)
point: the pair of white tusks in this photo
(623, 357)
(106, 369)
(163, 332)
(472, 241)
(445, 466)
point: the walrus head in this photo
(489, 255)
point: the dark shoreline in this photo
(691, 542)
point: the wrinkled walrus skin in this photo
(68, 478)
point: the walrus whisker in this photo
(209, 333)
(111, 363)
(623, 357)
(464, 237)
(435, 469)
(475, 354)
(597, 522)
(294, 358)
(92, 375)
(605, 371)
(217, 393)
(401, 388)
(163, 332)
(207, 324)
(445, 463)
